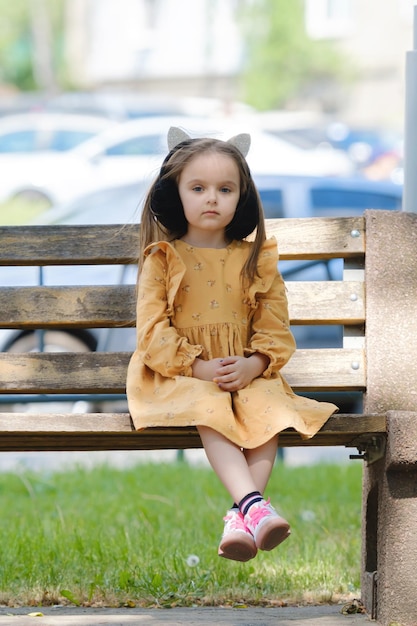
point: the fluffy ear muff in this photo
(246, 217)
(166, 206)
(241, 142)
(175, 136)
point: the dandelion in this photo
(308, 516)
(192, 560)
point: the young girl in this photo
(213, 330)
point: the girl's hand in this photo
(236, 372)
(206, 370)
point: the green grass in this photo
(16, 212)
(124, 537)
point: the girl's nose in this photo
(212, 196)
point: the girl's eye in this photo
(225, 190)
(197, 188)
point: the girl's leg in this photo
(261, 461)
(229, 462)
(245, 475)
(231, 467)
(241, 472)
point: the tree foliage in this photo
(282, 62)
(30, 38)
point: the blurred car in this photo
(133, 151)
(374, 152)
(324, 196)
(57, 132)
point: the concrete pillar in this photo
(389, 563)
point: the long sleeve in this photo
(270, 328)
(162, 348)
(271, 334)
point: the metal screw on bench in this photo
(355, 365)
(355, 233)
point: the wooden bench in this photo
(378, 358)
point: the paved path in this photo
(288, 616)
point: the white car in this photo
(133, 151)
(58, 132)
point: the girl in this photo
(213, 330)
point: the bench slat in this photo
(109, 307)
(328, 369)
(69, 245)
(336, 302)
(112, 431)
(300, 238)
(323, 238)
(68, 307)
(95, 372)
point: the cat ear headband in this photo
(176, 136)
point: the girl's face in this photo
(209, 188)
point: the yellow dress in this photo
(191, 304)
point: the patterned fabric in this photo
(191, 303)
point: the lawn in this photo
(17, 212)
(148, 536)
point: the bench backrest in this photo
(113, 306)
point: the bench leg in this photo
(389, 555)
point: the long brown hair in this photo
(163, 214)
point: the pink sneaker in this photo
(267, 527)
(237, 542)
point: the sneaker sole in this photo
(238, 549)
(272, 534)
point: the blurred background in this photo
(89, 88)
(315, 72)
(337, 57)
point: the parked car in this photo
(375, 152)
(56, 132)
(324, 196)
(134, 150)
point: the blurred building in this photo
(187, 47)
(376, 36)
(193, 47)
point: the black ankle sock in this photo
(248, 500)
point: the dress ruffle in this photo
(267, 269)
(176, 268)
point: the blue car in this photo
(314, 196)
